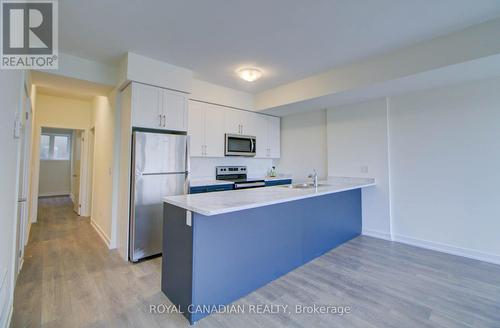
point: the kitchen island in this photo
(218, 247)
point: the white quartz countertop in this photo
(207, 182)
(236, 200)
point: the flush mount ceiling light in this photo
(249, 74)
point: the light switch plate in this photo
(189, 217)
(18, 125)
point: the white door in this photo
(274, 134)
(196, 128)
(214, 131)
(75, 186)
(22, 209)
(174, 106)
(90, 174)
(146, 109)
(232, 121)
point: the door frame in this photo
(35, 178)
(23, 224)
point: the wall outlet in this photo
(364, 168)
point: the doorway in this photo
(63, 164)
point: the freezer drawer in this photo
(147, 214)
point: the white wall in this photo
(10, 94)
(216, 94)
(358, 147)
(435, 158)
(103, 120)
(445, 160)
(303, 145)
(55, 178)
(55, 112)
(87, 70)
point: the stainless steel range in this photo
(238, 175)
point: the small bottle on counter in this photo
(272, 172)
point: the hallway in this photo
(71, 279)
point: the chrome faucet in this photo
(314, 176)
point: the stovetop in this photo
(236, 174)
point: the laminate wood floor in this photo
(70, 279)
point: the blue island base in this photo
(219, 259)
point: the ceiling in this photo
(60, 86)
(288, 39)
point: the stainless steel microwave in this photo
(239, 145)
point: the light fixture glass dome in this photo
(250, 74)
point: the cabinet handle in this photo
(205, 150)
(160, 119)
(164, 120)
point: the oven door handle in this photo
(249, 185)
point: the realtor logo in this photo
(29, 34)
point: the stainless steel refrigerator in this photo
(160, 167)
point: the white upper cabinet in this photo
(214, 131)
(209, 123)
(239, 121)
(146, 108)
(274, 135)
(158, 108)
(196, 128)
(232, 121)
(206, 128)
(174, 106)
(261, 147)
(268, 137)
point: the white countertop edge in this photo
(208, 182)
(261, 204)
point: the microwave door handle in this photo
(253, 145)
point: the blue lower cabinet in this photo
(218, 259)
(202, 189)
(278, 182)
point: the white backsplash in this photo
(204, 167)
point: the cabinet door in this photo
(174, 106)
(196, 127)
(232, 121)
(274, 136)
(262, 143)
(249, 122)
(214, 131)
(146, 109)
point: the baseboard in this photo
(28, 234)
(54, 193)
(449, 249)
(100, 232)
(376, 234)
(8, 321)
(21, 262)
